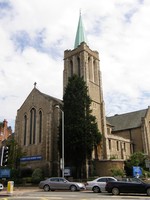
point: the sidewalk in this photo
(17, 191)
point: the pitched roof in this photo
(48, 97)
(80, 34)
(127, 120)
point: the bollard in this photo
(10, 187)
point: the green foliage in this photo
(15, 153)
(117, 172)
(37, 175)
(81, 130)
(136, 159)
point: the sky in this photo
(35, 33)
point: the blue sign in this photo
(137, 171)
(4, 173)
(30, 158)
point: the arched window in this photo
(32, 126)
(25, 130)
(117, 145)
(71, 68)
(109, 144)
(40, 126)
(79, 67)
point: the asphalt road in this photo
(36, 194)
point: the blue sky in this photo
(34, 35)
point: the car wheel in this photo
(46, 188)
(73, 188)
(115, 191)
(96, 189)
(148, 191)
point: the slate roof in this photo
(127, 121)
(50, 97)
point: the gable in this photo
(35, 93)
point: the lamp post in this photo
(62, 112)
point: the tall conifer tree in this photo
(81, 130)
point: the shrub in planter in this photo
(37, 175)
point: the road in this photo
(36, 194)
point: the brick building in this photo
(5, 131)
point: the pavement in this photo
(17, 191)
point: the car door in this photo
(54, 183)
(101, 182)
(137, 187)
(63, 184)
(132, 187)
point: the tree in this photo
(81, 130)
(136, 159)
(15, 153)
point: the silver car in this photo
(59, 183)
(1, 186)
(98, 185)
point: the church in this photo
(38, 118)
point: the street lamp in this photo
(63, 160)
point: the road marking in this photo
(43, 198)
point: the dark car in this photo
(134, 185)
(59, 183)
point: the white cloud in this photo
(34, 35)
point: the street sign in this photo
(67, 172)
(4, 173)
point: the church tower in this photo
(85, 63)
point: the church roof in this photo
(80, 34)
(47, 97)
(127, 121)
(50, 97)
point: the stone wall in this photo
(104, 167)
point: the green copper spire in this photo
(80, 35)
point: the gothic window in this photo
(109, 144)
(94, 70)
(117, 145)
(89, 67)
(32, 125)
(79, 67)
(25, 129)
(40, 127)
(71, 68)
(124, 146)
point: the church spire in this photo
(80, 34)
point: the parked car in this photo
(1, 186)
(134, 185)
(98, 185)
(59, 183)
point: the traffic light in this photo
(4, 156)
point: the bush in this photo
(37, 175)
(117, 172)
